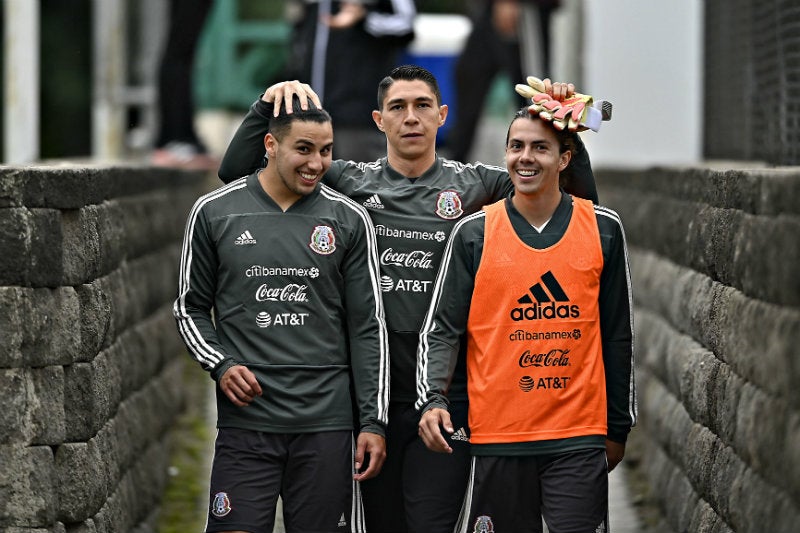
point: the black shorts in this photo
(312, 472)
(569, 490)
(418, 491)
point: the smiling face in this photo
(410, 116)
(298, 160)
(534, 158)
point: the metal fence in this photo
(752, 81)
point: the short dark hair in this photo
(408, 73)
(279, 126)
(566, 138)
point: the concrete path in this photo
(622, 516)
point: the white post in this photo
(108, 114)
(21, 85)
(567, 29)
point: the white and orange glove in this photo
(578, 112)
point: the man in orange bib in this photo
(537, 287)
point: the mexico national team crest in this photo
(483, 524)
(322, 240)
(221, 505)
(448, 205)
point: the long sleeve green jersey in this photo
(295, 297)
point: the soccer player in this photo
(539, 285)
(290, 325)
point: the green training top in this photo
(295, 297)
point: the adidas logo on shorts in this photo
(460, 434)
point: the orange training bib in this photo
(534, 360)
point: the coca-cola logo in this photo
(555, 357)
(413, 259)
(292, 292)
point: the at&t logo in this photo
(265, 320)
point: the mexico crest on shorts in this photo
(221, 504)
(448, 205)
(323, 240)
(483, 524)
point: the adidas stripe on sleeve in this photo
(192, 308)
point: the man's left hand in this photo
(374, 446)
(615, 451)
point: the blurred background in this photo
(80, 76)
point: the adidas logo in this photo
(245, 238)
(342, 521)
(541, 302)
(460, 434)
(373, 202)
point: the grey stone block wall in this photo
(714, 259)
(90, 361)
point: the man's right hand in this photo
(282, 92)
(430, 432)
(240, 385)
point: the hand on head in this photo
(559, 104)
(282, 93)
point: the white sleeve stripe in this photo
(428, 324)
(632, 400)
(374, 272)
(463, 523)
(357, 524)
(460, 167)
(200, 349)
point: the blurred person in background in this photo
(343, 49)
(177, 143)
(505, 35)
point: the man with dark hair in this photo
(537, 288)
(290, 324)
(414, 199)
(408, 73)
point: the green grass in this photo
(183, 505)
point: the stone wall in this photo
(90, 360)
(91, 365)
(714, 258)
